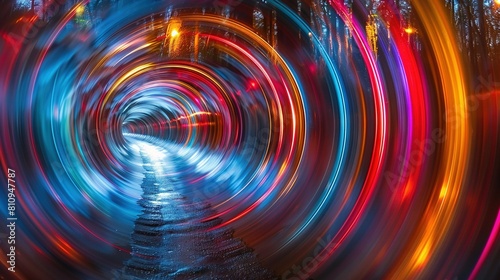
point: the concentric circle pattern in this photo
(332, 159)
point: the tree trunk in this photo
(482, 39)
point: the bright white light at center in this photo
(154, 153)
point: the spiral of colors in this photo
(329, 159)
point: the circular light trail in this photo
(326, 155)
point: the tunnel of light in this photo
(328, 158)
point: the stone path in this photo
(171, 240)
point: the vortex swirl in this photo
(327, 157)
